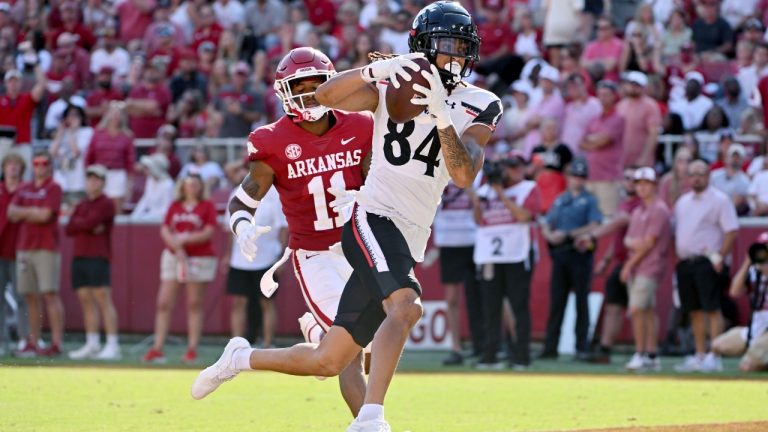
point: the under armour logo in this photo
(451, 104)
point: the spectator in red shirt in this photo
(135, 16)
(17, 108)
(77, 59)
(91, 228)
(762, 88)
(207, 29)
(148, 102)
(601, 56)
(112, 146)
(102, 95)
(188, 259)
(648, 239)
(166, 52)
(496, 52)
(322, 14)
(71, 23)
(36, 207)
(12, 171)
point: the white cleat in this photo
(369, 426)
(635, 363)
(711, 363)
(312, 332)
(223, 370)
(85, 352)
(110, 353)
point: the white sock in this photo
(242, 359)
(112, 340)
(92, 339)
(371, 412)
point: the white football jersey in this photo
(408, 175)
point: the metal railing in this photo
(229, 149)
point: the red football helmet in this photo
(301, 63)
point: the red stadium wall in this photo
(136, 267)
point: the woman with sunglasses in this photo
(189, 259)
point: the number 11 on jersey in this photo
(317, 190)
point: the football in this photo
(398, 100)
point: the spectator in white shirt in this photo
(158, 189)
(758, 191)
(230, 14)
(110, 54)
(694, 105)
(731, 180)
(209, 171)
(749, 76)
(736, 12)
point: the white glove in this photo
(246, 238)
(391, 68)
(434, 98)
(344, 198)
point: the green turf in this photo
(107, 399)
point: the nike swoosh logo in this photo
(308, 256)
(346, 141)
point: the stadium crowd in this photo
(588, 93)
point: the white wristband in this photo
(246, 199)
(237, 217)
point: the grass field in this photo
(91, 398)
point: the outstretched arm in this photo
(354, 90)
(349, 92)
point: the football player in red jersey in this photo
(306, 152)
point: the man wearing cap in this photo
(705, 230)
(751, 341)
(573, 214)
(504, 209)
(90, 225)
(603, 147)
(648, 240)
(98, 100)
(17, 108)
(712, 35)
(110, 55)
(77, 59)
(240, 106)
(642, 121)
(148, 102)
(601, 56)
(36, 207)
(693, 107)
(614, 257)
(731, 178)
(551, 105)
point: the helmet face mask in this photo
(298, 65)
(446, 28)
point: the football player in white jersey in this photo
(389, 228)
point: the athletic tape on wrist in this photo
(237, 217)
(246, 199)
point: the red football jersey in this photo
(306, 165)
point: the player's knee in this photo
(409, 313)
(330, 366)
